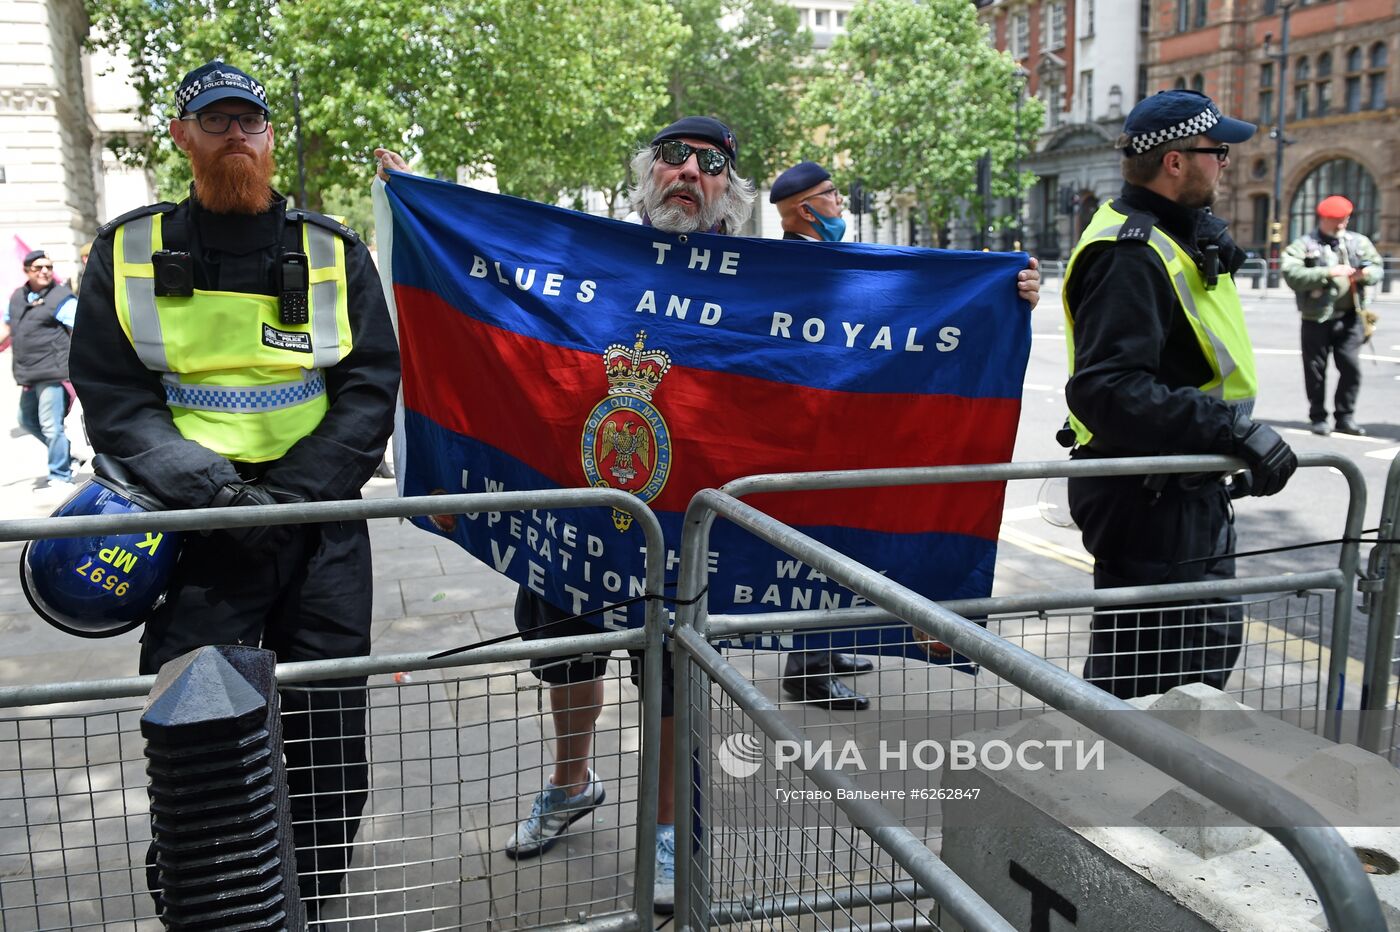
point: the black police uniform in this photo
(304, 591)
(1136, 367)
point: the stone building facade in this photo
(1338, 90)
(58, 108)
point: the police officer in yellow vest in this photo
(1160, 363)
(233, 351)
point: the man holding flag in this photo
(686, 186)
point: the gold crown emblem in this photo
(635, 370)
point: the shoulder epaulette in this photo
(295, 215)
(163, 207)
(1138, 226)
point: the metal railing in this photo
(1331, 866)
(1380, 692)
(72, 793)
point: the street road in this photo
(1311, 508)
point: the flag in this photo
(544, 348)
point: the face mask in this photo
(830, 228)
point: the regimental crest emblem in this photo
(626, 443)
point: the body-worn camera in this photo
(174, 274)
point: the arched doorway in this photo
(1346, 177)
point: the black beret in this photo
(1169, 115)
(217, 81)
(702, 127)
(36, 254)
(797, 179)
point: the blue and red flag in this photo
(545, 348)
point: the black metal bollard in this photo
(222, 830)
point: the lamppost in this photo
(1276, 134)
(1021, 75)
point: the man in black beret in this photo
(39, 325)
(1160, 363)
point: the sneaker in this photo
(1321, 428)
(1346, 425)
(664, 889)
(550, 816)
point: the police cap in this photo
(1169, 115)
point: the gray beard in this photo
(673, 218)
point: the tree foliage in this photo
(743, 63)
(540, 91)
(912, 96)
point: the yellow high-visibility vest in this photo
(236, 379)
(1215, 316)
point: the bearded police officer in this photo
(233, 351)
(1160, 363)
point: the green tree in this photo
(742, 62)
(913, 95)
(497, 85)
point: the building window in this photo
(1266, 106)
(1183, 15)
(1086, 91)
(1324, 65)
(1301, 95)
(1354, 58)
(1088, 17)
(1352, 84)
(1270, 7)
(819, 19)
(1052, 25)
(1141, 84)
(1020, 34)
(1201, 9)
(1375, 99)
(840, 19)
(1052, 95)
(1339, 176)
(1180, 84)
(1260, 205)
(1145, 16)
(1198, 83)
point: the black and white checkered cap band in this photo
(218, 79)
(1195, 126)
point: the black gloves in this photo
(1271, 460)
(241, 493)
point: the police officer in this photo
(1160, 363)
(233, 351)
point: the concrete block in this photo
(1127, 847)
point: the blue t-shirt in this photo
(67, 311)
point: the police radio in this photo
(294, 282)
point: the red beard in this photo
(227, 183)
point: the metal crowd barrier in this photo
(455, 759)
(908, 877)
(1380, 694)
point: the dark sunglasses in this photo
(216, 124)
(41, 268)
(1221, 152)
(710, 161)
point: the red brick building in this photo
(1340, 96)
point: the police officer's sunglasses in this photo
(710, 161)
(216, 124)
(1221, 152)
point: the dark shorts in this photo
(532, 614)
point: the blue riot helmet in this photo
(100, 585)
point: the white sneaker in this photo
(664, 888)
(551, 814)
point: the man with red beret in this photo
(1331, 270)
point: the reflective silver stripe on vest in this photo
(325, 330)
(141, 296)
(1183, 290)
(242, 398)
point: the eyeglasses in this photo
(710, 161)
(216, 124)
(36, 267)
(1221, 153)
(833, 190)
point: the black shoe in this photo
(851, 663)
(1347, 425)
(1321, 428)
(827, 691)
